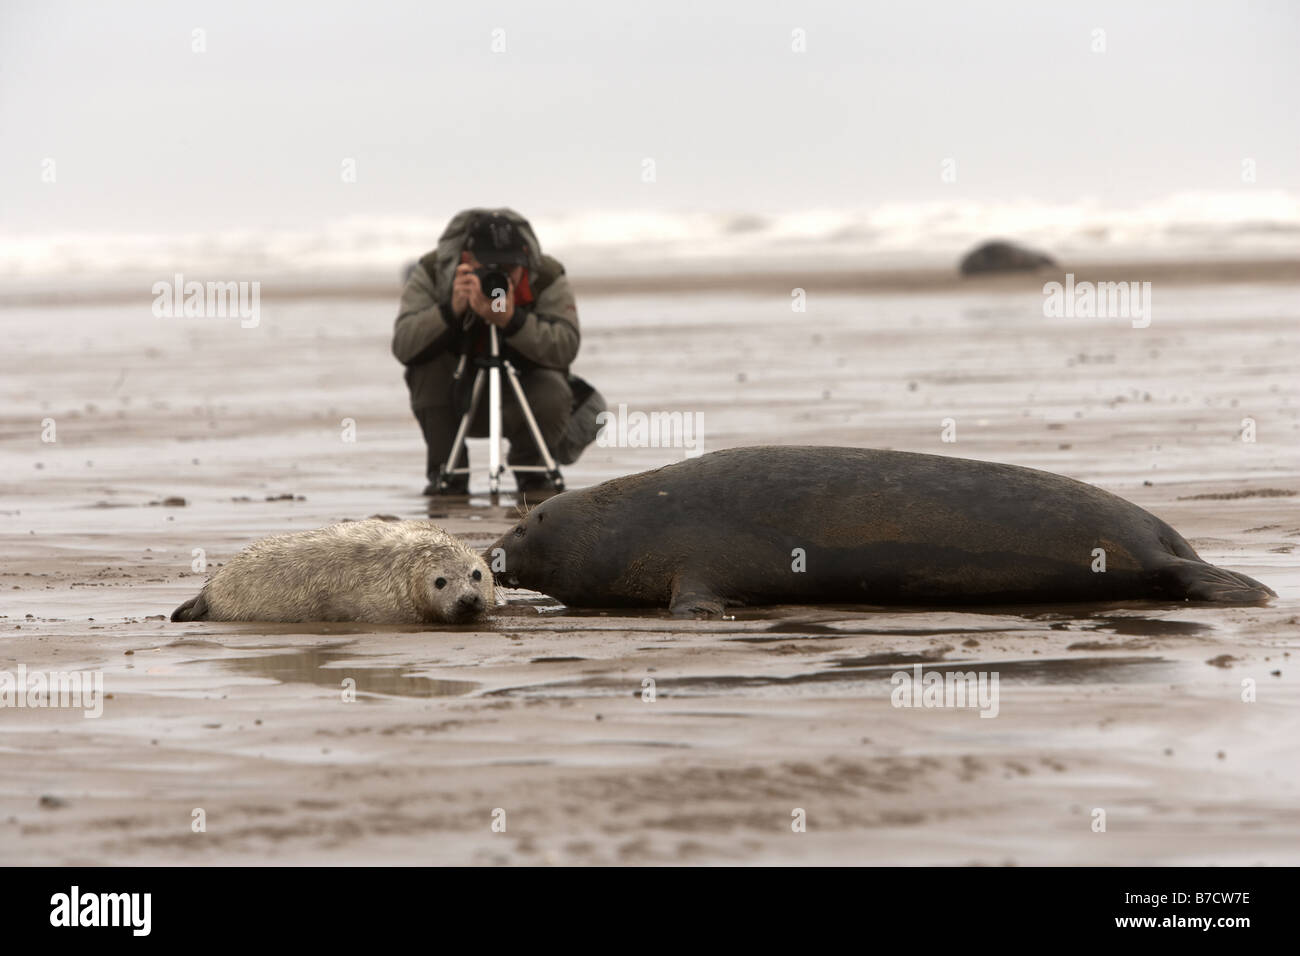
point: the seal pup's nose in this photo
(470, 603)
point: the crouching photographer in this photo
(488, 268)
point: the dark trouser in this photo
(549, 396)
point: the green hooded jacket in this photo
(427, 338)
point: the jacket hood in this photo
(452, 240)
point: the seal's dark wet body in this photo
(810, 525)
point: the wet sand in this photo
(1133, 709)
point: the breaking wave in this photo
(1245, 223)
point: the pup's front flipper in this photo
(692, 598)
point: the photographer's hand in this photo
(498, 311)
(464, 288)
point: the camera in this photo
(494, 281)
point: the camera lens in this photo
(493, 280)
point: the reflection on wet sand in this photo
(851, 677)
(312, 665)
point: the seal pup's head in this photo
(458, 585)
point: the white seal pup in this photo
(377, 571)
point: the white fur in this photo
(378, 571)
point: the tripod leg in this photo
(494, 425)
(457, 443)
(552, 469)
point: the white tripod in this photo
(493, 366)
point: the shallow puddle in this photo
(850, 676)
(315, 665)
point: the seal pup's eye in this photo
(440, 583)
(519, 531)
(477, 575)
(541, 517)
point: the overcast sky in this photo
(148, 135)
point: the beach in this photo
(547, 735)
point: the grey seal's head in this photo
(548, 548)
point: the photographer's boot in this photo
(534, 487)
(457, 487)
(438, 423)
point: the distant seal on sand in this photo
(999, 256)
(816, 525)
(378, 571)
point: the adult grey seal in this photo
(999, 256)
(816, 525)
(377, 570)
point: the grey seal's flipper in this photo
(1199, 581)
(691, 598)
(195, 609)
